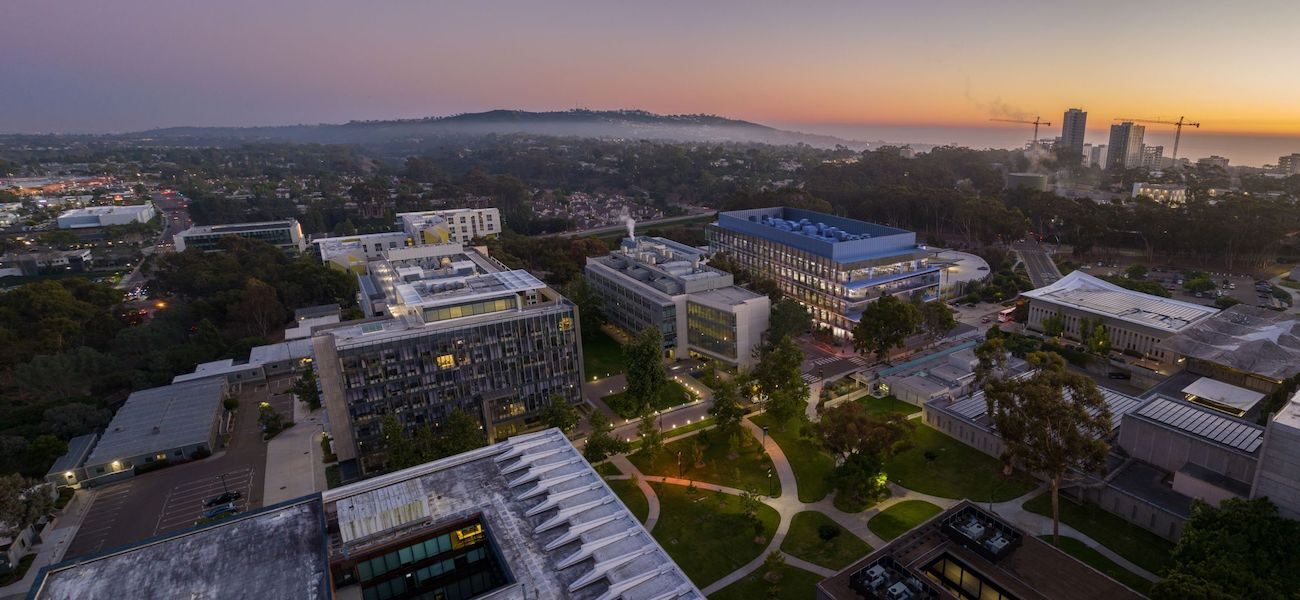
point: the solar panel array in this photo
(1229, 432)
(975, 408)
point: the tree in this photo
(885, 325)
(772, 567)
(601, 442)
(1095, 335)
(305, 388)
(860, 478)
(591, 313)
(1050, 422)
(272, 423)
(785, 393)
(400, 451)
(1136, 271)
(1242, 549)
(74, 419)
(1199, 284)
(23, 501)
(459, 432)
(848, 429)
(1054, 326)
(560, 414)
(727, 411)
(936, 320)
(259, 308)
(788, 318)
(652, 440)
(646, 376)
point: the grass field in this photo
(803, 541)
(706, 540)
(795, 584)
(602, 355)
(811, 463)
(887, 405)
(1139, 546)
(953, 470)
(901, 518)
(632, 496)
(1096, 560)
(748, 471)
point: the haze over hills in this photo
(631, 124)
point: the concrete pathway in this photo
(652, 499)
(787, 505)
(294, 466)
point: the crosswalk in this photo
(810, 378)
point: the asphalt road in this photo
(1038, 263)
(171, 498)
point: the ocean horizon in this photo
(1239, 149)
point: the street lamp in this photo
(769, 483)
(679, 463)
(224, 488)
(765, 436)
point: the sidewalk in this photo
(293, 458)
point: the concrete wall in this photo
(1133, 509)
(1123, 335)
(1170, 449)
(962, 431)
(1278, 477)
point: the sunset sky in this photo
(122, 65)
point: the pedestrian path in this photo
(787, 504)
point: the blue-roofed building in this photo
(833, 265)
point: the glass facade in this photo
(711, 329)
(631, 311)
(453, 565)
(207, 242)
(835, 293)
(514, 365)
(953, 575)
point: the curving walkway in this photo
(787, 505)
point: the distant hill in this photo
(630, 124)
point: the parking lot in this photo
(185, 502)
(170, 499)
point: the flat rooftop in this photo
(980, 549)
(161, 418)
(838, 238)
(1084, 292)
(729, 296)
(239, 227)
(440, 291)
(105, 210)
(78, 449)
(1246, 338)
(272, 553)
(1225, 394)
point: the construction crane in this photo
(1178, 129)
(1036, 122)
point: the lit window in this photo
(446, 361)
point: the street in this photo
(1038, 262)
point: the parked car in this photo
(1119, 375)
(985, 319)
(225, 498)
(228, 508)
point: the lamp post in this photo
(679, 463)
(765, 436)
(769, 483)
(224, 488)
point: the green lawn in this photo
(901, 518)
(672, 394)
(705, 539)
(887, 405)
(955, 471)
(811, 463)
(607, 469)
(1139, 546)
(1096, 560)
(632, 496)
(747, 472)
(795, 584)
(804, 542)
(602, 355)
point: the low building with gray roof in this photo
(521, 519)
(70, 469)
(166, 423)
(1245, 346)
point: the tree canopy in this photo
(1240, 550)
(886, 324)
